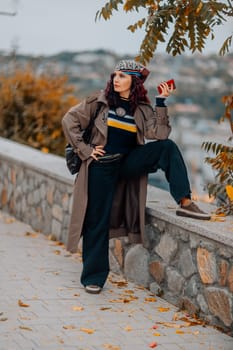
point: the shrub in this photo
(222, 163)
(32, 107)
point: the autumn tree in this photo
(183, 24)
(32, 107)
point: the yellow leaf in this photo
(156, 334)
(229, 190)
(178, 331)
(87, 330)
(44, 150)
(163, 309)
(9, 220)
(127, 291)
(128, 328)
(150, 299)
(22, 304)
(57, 252)
(52, 237)
(170, 324)
(111, 347)
(77, 308)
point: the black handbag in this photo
(73, 161)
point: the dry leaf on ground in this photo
(31, 234)
(150, 299)
(25, 328)
(163, 309)
(111, 347)
(70, 326)
(22, 304)
(87, 330)
(153, 345)
(57, 252)
(77, 308)
(9, 220)
(128, 328)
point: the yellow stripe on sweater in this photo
(122, 125)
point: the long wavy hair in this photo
(138, 94)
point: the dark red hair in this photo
(138, 94)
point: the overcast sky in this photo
(50, 26)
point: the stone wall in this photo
(188, 262)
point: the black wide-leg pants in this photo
(102, 181)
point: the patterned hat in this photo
(133, 68)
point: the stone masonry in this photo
(187, 262)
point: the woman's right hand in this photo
(97, 151)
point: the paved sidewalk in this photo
(43, 306)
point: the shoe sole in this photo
(93, 291)
(188, 214)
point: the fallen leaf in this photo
(175, 317)
(111, 347)
(22, 304)
(153, 345)
(60, 340)
(156, 334)
(52, 237)
(163, 309)
(105, 308)
(3, 319)
(87, 330)
(57, 252)
(155, 327)
(150, 299)
(128, 328)
(117, 282)
(77, 308)
(229, 190)
(69, 327)
(217, 219)
(171, 324)
(25, 328)
(59, 243)
(178, 331)
(31, 234)
(9, 220)
(76, 295)
(195, 333)
(127, 291)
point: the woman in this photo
(110, 189)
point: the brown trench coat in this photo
(128, 210)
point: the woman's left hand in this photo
(165, 89)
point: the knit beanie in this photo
(133, 68)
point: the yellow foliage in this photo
(32, 107)
(229, 190)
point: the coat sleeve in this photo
(156, 123)
(74, 122)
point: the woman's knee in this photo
(169, 144)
